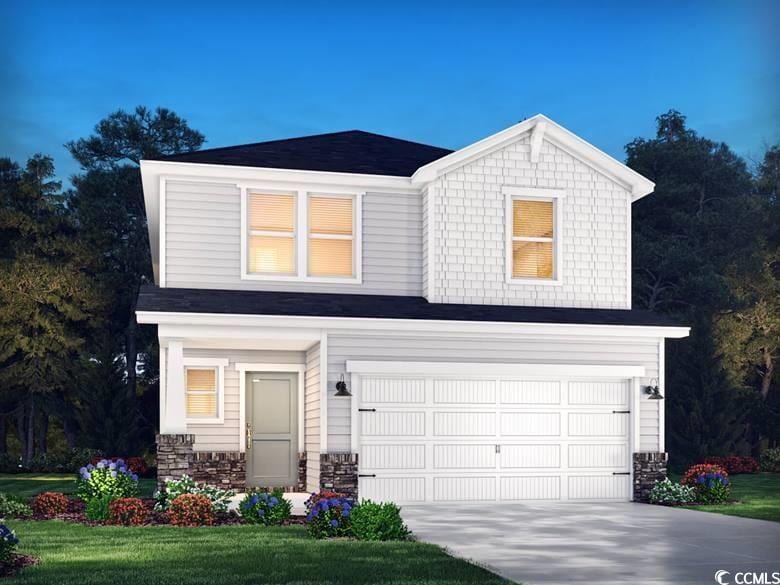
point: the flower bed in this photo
(734, 464)
(710, 483)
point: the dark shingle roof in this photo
(353, 151)
(186, 300)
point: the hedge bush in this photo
(127, 512)
(12, 506)
(734, 464)
(269, 509)
(377, 521)
(669, 493)
(191, 510)
(49, 504)
(770, 460)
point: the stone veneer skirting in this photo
(649, 468)
(339, 473)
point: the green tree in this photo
(108, 203)
(48, 298)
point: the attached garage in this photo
(444, 432)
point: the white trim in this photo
(219, 364)
(629, 268)
(354, 434)
(638, 185)
(243, 369)
(324, 392)
(516, 193)
(408, 325)
(431, 246)
(496, 369)
(537, 137)
(162, 243)
(634, 431)
(662, 390)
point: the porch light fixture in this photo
(653, 390)
(341, 387)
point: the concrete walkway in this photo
(617, 544)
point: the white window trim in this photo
(513, 193)
(302, 236)
(219, 364)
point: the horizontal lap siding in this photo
(312, 418)
(203, 242)
(595, 351)
(224, 437)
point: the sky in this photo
(443, 73)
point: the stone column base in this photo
(222, 469)
(649, 467)
(338, 473)
(174, 456)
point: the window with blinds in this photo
(201, 392)
(533, 238)
(331, 236)
(271, 241)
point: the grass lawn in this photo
(758, 496)
(29, 484)
(230, 555)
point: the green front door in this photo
(272, 429)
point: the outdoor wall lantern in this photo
(653, 390)
(341, 387)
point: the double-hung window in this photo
(533, 238)
(201, 390)
(271, 240)
(331, 236)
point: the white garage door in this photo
(440, 439)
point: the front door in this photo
(271, 429)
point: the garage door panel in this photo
(464, 391)
(464, 456)
(530, 392)
(530, 456)
(472, 489)
(612, 455)
(464, 424)
(598, 424)
(595, 393)
(530, 488)
(392, 424)
(393, 390)
(377, 457)
(393, 489)
(599, 487)
(530, 424)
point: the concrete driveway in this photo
(600, 543)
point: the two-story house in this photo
(375, 315)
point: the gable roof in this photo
(540, 128)
(353, 151)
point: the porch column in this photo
(173, 422)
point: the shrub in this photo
(135, 465)
(770, 460)
(191, 510)
(710, 482)
(49, 504)
(127, 512)
(670, 493)
(328, 514)
(97, 507)
(734, 464)
(174, 488)
(106, 478)
(265, 508)
(372, 521)
(13, 507)
(56, 462)
(8, 543)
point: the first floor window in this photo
(271, 244)
(533, 238)
(201, 391)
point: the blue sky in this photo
(445, 73)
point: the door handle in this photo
(248, 436)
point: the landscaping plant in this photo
(377, 521)
(106, 478)
(127, 512)
(12, 506)
(328, 514)
(8, 544)
(174, 488)
(191, 510)
(770, 460)
(734, 464)
(668, 493)
(136, 465)
(710, 482)
(265, 508)
(97, 508)
(49, 504)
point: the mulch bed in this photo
(16, 563)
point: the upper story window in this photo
(301, 236)
(533, 241)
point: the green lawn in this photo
(230, 555)
(29, 484)
(758, 496)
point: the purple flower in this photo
(113, 473)
(134, 476)
(101, 464)
(334, 523)
(90, 467)
(274, 501)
